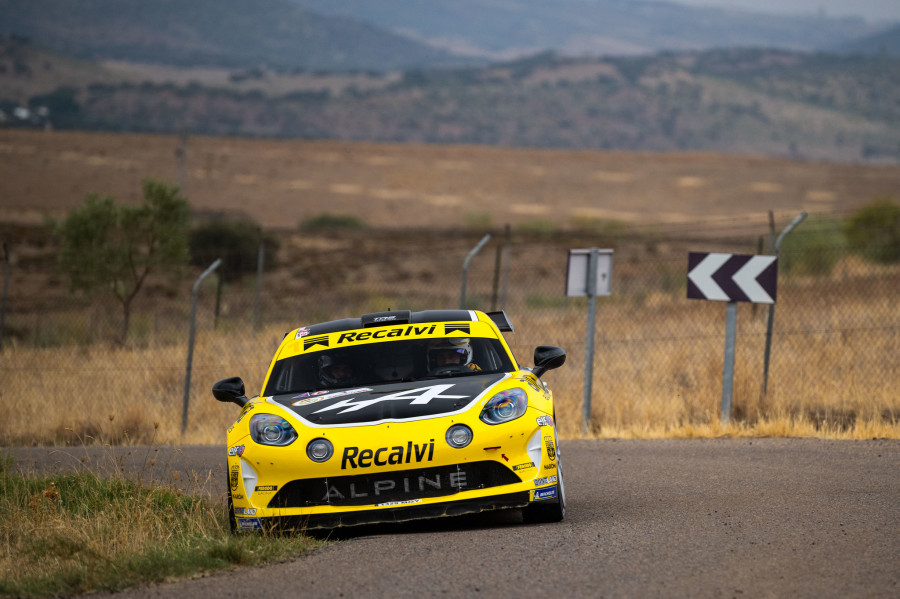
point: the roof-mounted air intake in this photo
(381, 319)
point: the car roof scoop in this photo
(382, 319)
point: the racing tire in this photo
(542, 512)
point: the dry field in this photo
(658, 372)
(280, 183)
(644, 386)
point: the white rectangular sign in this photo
(577, 272)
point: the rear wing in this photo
(502, 322)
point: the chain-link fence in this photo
(658, 364)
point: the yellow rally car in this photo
(391, 417)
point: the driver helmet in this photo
(458, 346)
(334, 370)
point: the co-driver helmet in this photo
(326, 363)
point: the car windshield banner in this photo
(393, 402)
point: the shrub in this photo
(874, 232)
(327, 220)
(236, 242)
(813, 249)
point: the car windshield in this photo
(385, 362)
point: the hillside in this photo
(503, 28)
(276, 34)
(362, 35)
(884, 43)
(780, 103)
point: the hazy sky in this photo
(871, 10)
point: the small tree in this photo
(105, 245)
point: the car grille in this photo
(387, 487)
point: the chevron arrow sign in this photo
(732, 277)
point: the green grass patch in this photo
(77, 533)
(814, 249)
(544, 300)
(540, 227)
(478, 220)
(610, 231)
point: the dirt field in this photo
(281, 183)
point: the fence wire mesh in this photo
(658, 362)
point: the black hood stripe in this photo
(394, 402)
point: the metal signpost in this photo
(731, 278)
(588, 272)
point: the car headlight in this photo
(505, 406)
(269, 429)
(458, 436)
(320, 450)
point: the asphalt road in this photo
(669, 518)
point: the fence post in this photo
(260, 260)
(777, 247)
(5, 292)
(465, 272)
(589, 342)
(496, 287)
(501, 263)
(190, 355)
(219, 284)
(505, 277)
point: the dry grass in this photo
(832, 375)
(74, 533)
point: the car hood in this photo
(393, 402)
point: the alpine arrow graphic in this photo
(732, 277)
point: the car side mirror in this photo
(547, 357)
(231, 390)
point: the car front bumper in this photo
(505, 467)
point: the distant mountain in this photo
(228, 33)
(813, 106)
(885, 43)
(386, 35)
(590, 27)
